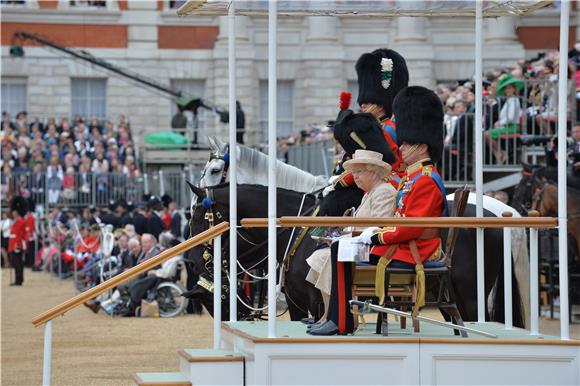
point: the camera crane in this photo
(183, 101)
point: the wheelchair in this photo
(168, 294)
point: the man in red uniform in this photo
(421, 194)
(17, 243)
(381, 75)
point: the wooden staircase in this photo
(199, 367)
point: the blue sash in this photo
(392, 132)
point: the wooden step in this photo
(210, 355)
(212, 367)
(162, 379)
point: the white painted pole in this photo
(562, 163)
(217, 291)
(233, 168)
(272, 100)
(47, 363)
(478, 154)
(534, 294)
(161, 183)
(507, 276)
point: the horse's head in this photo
(525, 190)
(216, 168)
(545, 199)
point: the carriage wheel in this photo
(169, 299)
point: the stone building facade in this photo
(316, 58)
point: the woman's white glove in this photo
(365, 237)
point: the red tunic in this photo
(30, 227)
(167, 219)
(17, 241)
(421, 198)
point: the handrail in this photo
(434, 222)
(130, 273)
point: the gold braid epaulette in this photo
(340, 180)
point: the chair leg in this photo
(402, 319)
(416, 328)
(383, 322)
(451, 309)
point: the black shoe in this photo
(307, 320)
(15, 284)
(328, 328)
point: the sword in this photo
(366, 307)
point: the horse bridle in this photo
(217, 156)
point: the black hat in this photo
(112, 205)
(361, 131)
(381, 75)
(420, 119)
(20, 205)
(153, 203)
(166, 199)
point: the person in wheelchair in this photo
(128, 296)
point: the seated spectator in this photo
(149, 248)
(509, 116)
(134, 246)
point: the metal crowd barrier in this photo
(81, 190)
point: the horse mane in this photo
(253, 169)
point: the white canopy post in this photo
(478, 154)
(272, 100)
(233, 162)
(562, 163)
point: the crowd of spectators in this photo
(532, 101)
(61, 157)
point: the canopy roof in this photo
(369, 8)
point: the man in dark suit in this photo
(154, 224)
(140, 218)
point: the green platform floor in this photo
(297, 330)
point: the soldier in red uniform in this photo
(381, 75)
(17, 242)
(421, 194)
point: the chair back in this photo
(459, 205)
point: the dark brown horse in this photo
(545, 201)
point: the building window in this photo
(193, 88)
(88, 4)
(12, 3)
(13, 95)
(285, 107)
(89, 97)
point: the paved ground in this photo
(91, 349)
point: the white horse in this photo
(252, 168)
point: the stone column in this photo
(322, 77)
(142, 31)
(411, 41)
(501, 30)
(501, 44)
(410, 29)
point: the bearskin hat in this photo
(420, 119)
(20, 205)
(381, 75)
(166, 200)
(361, 131)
